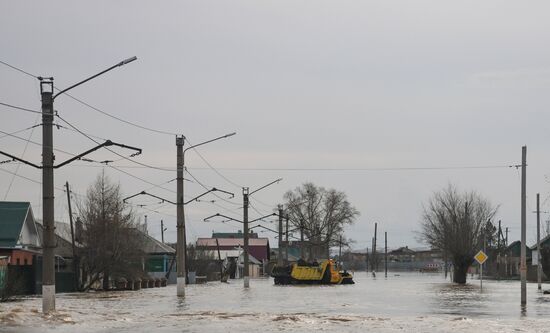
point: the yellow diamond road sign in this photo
(481, 257)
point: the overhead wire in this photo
(112, 151)
(209, 188)
(19, 108)
(212, 167)
(6, 134)
(22, 155)
(93, 107)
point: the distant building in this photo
(159, 257)
(258, 249)
(238, 234)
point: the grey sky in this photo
(306, 84)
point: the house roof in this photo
(542, 241)
(12, 218)
(402, 250)
(150, 245)
(233, 235)
(234, 242)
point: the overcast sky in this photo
(375, 86)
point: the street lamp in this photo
(48, 264)
(181, 247)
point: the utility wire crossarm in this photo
(229, 218)
(76, 157)
(174, 203)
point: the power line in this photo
(118, 118)
(208, 188)
(29, 179)
(214, 169)
(112, 151)
(16, 132)
(164, 168)
(22, 155)
(19, 108)
(18, 69)
(93, 107)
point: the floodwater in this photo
(404, 302)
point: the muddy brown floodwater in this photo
(404, 302)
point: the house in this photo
(258, 247)
(512, 258)
(159, 259)
(20, 245)
(259, 252)
(19, 236)
(64, 250)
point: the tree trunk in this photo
(460, 269)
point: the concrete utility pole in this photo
(340, 250)
(246, 277)
(286, 239)
(302, 239)
(162, 230)
(523, 260)
(385, 254)
(180, 217)
(75, 261)
(499, 233)
(280, 252)
(48, 261)
(374, 247)
(539, 264)
(506, 236)
(367, 259)
(47, 96)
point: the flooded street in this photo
(402, 302)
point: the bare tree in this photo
(454, 223)
(320, 214)
(110, 245)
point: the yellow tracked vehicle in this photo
(325, 272)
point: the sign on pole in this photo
(481, 257)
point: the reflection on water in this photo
(404, 301)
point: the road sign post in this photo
(481, 257)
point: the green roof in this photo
(12, 218)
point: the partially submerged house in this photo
(259, 252)
(20, 245)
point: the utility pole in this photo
(374, 247)
(145, 230)
(302, 239)
(48, 263)
(373, 258)
(180, 217)
(539, 264)
(506, 237)
(75, 261)
(280, 251)
(162, 230)
(286, 239)
(523, 260)
(385, 254)
(367, 260)
(340, 250)
(246, 277)
(47, 98)
(498, 249)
